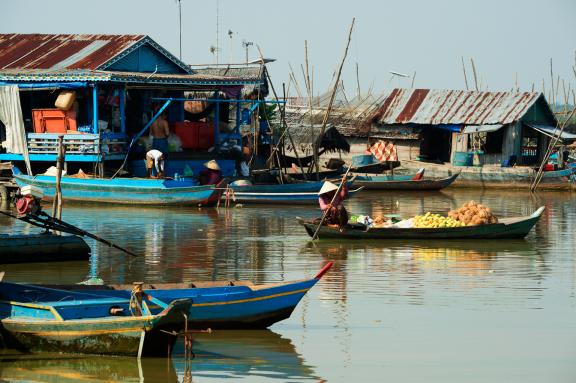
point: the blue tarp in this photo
(449, 127)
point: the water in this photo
(432, 311)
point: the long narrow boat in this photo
(126, 191)
(515, 227)
(297, 198)
(221, 305)
(295, 187)
(34, 318)
(24, 248)
(393, 183)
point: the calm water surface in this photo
(433, 311)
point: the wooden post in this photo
(57, 202)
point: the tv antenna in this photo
(246, 44)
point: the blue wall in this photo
(145, 59)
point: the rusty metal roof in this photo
(435, 107)
(45, 51)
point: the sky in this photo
(507, 39)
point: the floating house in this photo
(116, 85)
(450, 126)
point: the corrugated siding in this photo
(434, 107)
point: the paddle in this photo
(344, 180)
(59, 225)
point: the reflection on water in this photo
(244, 354)
(15, 367)
(219, 355)
(382, 307)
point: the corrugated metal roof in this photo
(434, 107)
(34, 75)
(44, 51)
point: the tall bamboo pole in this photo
(474, 72)
(331, 102)
(464, 70)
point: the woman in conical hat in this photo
(333, 207)
(212, 175)
(212, 164)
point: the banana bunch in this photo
(430, 220)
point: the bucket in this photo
(463, 159)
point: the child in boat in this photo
(212, 175)
(336, 214)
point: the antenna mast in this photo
(217, 28)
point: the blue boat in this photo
(126, 191)
(34, 318)
(258, 195)
(220, 305)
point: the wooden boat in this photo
(127, 191)
(297, 198)
(396, 183)
(47, 247)
(516, 227)
(34, 318)
(221, 305)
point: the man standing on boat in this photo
(159, 130)
(155, 159)
(212, 175)
(333, 207)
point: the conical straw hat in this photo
(212, 164)
(327, 187)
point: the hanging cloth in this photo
(11, 116)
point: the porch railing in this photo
(46, 143)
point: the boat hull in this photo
(45, 319)
(507, 228)
(125, 191)
(299, 198)
(226, 307)
(42, 248)
(383, 183)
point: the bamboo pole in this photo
(464, 70)
(331, 102)
(548, 153)
(358, 80)
(474, 72)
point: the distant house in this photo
(440, 125)
(119, 82)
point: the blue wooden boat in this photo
(404, 182)
(24, 248)
(127, 191)
(513, 227)
(34, 318)
(221, 305)
(280, 197)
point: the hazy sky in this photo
(429, 37)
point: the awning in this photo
(48, 85)
(481, 128)
(551, 131)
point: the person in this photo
(212, 175)
(336, 214)
(159, 130)
(155, 159)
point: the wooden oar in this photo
(344, 179)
